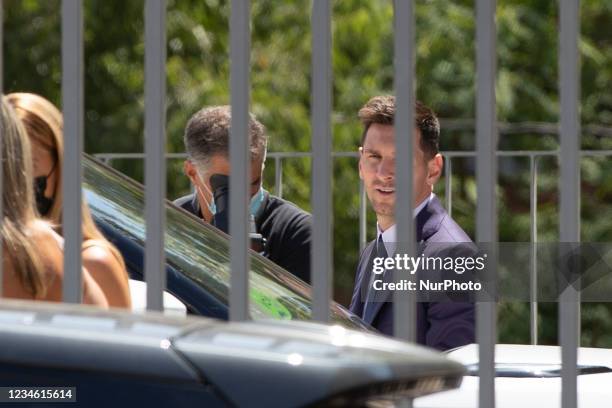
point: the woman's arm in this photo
(52, 257)
(92, 294)
(109, 274)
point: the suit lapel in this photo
(361, 279)
(372, 309)
(428, 222)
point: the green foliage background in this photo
(198, 75)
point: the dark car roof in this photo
(86, 338)
(298, 362)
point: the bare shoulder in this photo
(102, 263)
(96, 253)
(108, 272)
(43, 231)
(49, 242)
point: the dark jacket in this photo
(286, 228)
(441, 324)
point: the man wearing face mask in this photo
(285, 227)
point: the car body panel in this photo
(325, 360)
(86, 338)
(537, 391)
(267, 363)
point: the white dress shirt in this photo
(389, 235)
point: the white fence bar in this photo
(108, 157)
(569, 190)
(240, 48)
(533, 225)
(321, 106)
(363, 211)
(486, 179)
(72, 173)
(155, 147)
(278, 177)
(404, 316)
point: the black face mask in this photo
(43, 204)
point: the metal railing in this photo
(72, 93)
(240, 49)
(569, 191)
(404, 302)
(321, 108)
(155, 142)
(533, 156)
(486, 180)
(72, 109)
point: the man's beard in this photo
(386, 209)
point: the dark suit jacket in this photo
(443, 324)
(286, 228)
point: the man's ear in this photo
(434, 169)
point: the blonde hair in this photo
(44, 124)
(17, 200)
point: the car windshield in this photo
(198, 250)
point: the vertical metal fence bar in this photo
(72, 106)
(569, 190)
(363, 206)
(321, 101)
(278, 176)
(448, 185)
(486, 177)
(404, 316)
(1, 141)
(155, 147)
(240, 48)
(533, 222)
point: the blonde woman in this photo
(43, 124)
(32, 251)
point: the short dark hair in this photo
(381, 110)
(207, 134)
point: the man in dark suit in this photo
(440, 324)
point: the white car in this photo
(529, 376)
